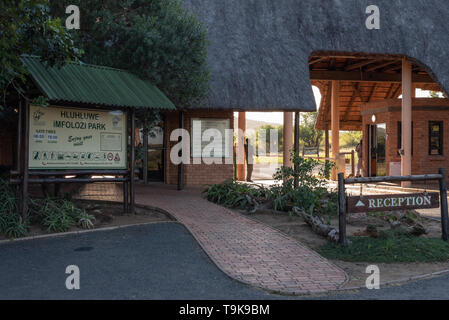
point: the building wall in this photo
(196, 174)
(423, 111)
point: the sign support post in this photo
(25, 162)
(443, 199)
(133, 160)
(341, 210)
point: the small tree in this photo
(310, 136)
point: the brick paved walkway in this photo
(244, 249)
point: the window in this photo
(400, 136)
(209, 138)
(435, 138)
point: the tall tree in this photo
(26, 26)
(308, 134)
(156, 39)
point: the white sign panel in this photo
(69, 138)
(209, 138)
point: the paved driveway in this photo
(158, 261)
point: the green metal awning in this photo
(95, 85)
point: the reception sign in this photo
(378, 203)
(69, 138)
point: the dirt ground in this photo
(109, 214)
(296, 228)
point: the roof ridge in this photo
(80, 63)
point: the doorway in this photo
(156, 153)
(377, 140)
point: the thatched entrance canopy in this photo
(363, 78)
(259, 50)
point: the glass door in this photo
(156, 153)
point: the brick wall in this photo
(424, 110)
(196, 174)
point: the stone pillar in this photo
(335, 127)
(288, 138)
(240, 149)
(406, 159)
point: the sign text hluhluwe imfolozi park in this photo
(391, 202)
(71, 138)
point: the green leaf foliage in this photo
(26, 26)
(156, 39)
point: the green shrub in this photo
(233, 194)
(58, 215)
(11, 224)
(311, 195)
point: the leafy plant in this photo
(86, 221)
(11, 224)
(58, 215)
(233, 194)
(311, 195)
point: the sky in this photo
(277, 117)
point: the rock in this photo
(372, 231)
(395, 225)
(417, 230)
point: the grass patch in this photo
(390, 246)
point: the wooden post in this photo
(19, 153)
(342, 210)
(145, 152)
(240, 149)
(296, 144)
(335, 127)
(352, 163)
(25, 161)
(125, 197)
(443, 204)
(133, 161)
(288, 138)
(326, 145)
(181, 165)
(406, 158)
(19, 138)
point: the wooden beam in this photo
(360, 64)
(372, 93)
(396, 92)
(313, 61)
(365, 77)
(389, 92)
(356, 91)
(380, 66)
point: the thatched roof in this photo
(259, 49)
